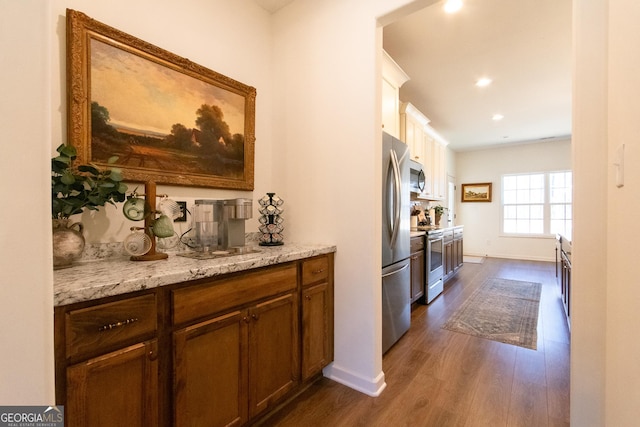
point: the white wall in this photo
(324, 128)
(623, 229)
(26, 297)
(328, 57)
(605, 378)
(232, 38)
(482, 232)
(589, 257)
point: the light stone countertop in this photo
(91, 280)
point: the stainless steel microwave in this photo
(417, 181)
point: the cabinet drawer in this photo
(417, 244)
(457, 234)
(447, 236)
(103, 326)
(199, 301)
(315, 270)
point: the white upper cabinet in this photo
(427, 147)
(392, 79)
(412, 125)
(437, 164)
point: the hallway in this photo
(440, 378)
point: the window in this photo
(537, 204)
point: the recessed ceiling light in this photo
(484, 81)
(497, 117)
(452, 6)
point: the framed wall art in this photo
(476, 192)
(168, 120)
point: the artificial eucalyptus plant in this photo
(76, 188)
(438, 209)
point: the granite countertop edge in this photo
(91, 280)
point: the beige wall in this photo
(26, 297)
(482, 234)
(188, 30)
(605, 377)
(623, 229)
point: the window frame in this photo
(546, 205)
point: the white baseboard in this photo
(517, 257)
(369, 386)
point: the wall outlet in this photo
(183, 212)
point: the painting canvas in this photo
(167, 119)
(476, 192)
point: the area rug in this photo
(473, 259)
(500, 310)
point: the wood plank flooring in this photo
(441, 378)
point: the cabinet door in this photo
(316, 344)
(390, 109)
(274, 355)
(448, 258)
(437, 168)
(417, 275)
(459, 253)
(116, 389)
(210, 376)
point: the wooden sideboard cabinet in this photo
(107, 362)
(215, 352)
(317, 315)
(235, 365)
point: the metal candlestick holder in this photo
(270, 220)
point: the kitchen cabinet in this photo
(317, 315)
(563, 271)
(220, 351)
(259, 361)
(118, 388)
(235, 366)
(393, 77)
(427, 148)
(438, 169)
(453, 251)
(107, 362)
(412, 124)
(418, 268)
(211, 372)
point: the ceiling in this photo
(524, 46)
(272, 6)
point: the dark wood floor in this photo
(440, 378)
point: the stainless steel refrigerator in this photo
(396, 276)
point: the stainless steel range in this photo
(434, 264)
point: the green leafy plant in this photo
(76, 188)
(438, 210)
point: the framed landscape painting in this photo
(167, 119)
(476, 192)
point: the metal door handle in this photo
(396, 271)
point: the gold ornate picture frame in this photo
(168, 120)
(476, 192)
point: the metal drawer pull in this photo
(318, 271)
(117, 324)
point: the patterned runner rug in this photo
(501, 310)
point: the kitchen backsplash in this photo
(99, 251)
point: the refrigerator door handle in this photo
(404, 267)
(397, 200)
